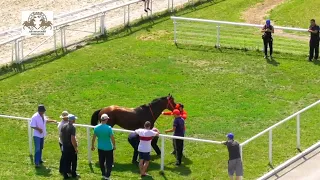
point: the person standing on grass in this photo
(106, 145)
(64, 120)
(144, 147)
(69, 147)
(134, 140)
(234, 163)
(178, 129)
(183, 114)
(314, 40)
(267, 30)
(38, 124)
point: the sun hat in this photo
(64, 114)
(104, 117)
(41, 108)
(176, 112)
(72, 117)
(230, 136)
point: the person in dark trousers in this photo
(267, 30)
(69, 147)
(234, 163)
(106, 146)
(134, 140)
(64, 120)
(178, 129)
(314, 40)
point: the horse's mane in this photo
(152, 102)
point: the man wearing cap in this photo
(69, 147)
(64, 120)
(234, 163)
(267, 38)
(106, 145)
(183, 114)
(134, 140)
(178, 129)
(144, 147)
(314, 40)
(38, 124)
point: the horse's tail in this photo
(95, 117)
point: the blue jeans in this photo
(38, 146)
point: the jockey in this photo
(179, 106)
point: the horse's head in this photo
(171, 104)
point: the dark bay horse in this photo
(134, 118)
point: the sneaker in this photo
(146, 174)
(178, 163)
(75, 175)
(41, 162)
(37, 166)
(173, 152)
(145, 10)
(105, 178)
(266, 57)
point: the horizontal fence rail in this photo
(88, 127)
(214, 33)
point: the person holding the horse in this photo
(38, 124)
(106, 145)
(134, 140)
(183, 114)
(64, 120)
(144, 147)
(178, 129)
(69, 147)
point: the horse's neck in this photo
(157, 109)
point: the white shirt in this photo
(59, 128)
(38, 121)
(145, 136)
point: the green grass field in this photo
(223, 91)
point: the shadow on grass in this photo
(43, 171)
(272, 61)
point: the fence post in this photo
(102, 24)
(62, 39)
(12, 51)
(128, 15)
(171, 5)
(124, 16)
(54, 40)
(30, 137)
(21, 49)
(89, 146)
(298, 131)
(218, 36)
(270, 146)
(162, 154)
(16, 50)
(175, 31)
(95, 25)
(151, 8)
(168, 5)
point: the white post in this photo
(175, 31)
(218, 36)
(270, 146)
(298, 131)
(16, 50)
(171, 5)
(89, 145)
(124, 16)
(102, 24)
(151, 8)
(54, 40)
(12, 52)
(162, 154)
(22, 49)
(168, 5)
(64, 38)
(95, 25)
(30, 138)
(61, 34)
(128, 15)
(241, 149)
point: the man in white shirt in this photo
(38, 123)
(144, 148)
(64, 120)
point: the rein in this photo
(169, 103)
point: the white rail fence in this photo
(162, 136)
(88, 127)
(234, 34)
(96, 19)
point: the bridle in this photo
(168, 104)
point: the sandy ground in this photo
(257, 14)
(11, 17)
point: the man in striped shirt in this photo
(144, 148)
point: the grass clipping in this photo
(153, 35)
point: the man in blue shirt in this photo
(106, 145)
(178, 129)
